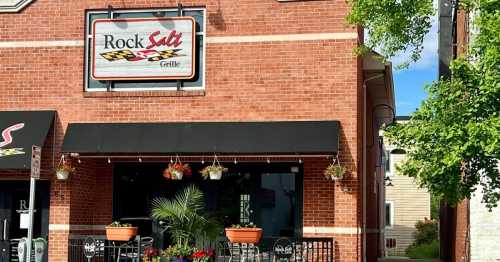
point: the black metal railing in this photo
(105, 250)
(270, 249)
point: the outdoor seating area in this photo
(268, 249)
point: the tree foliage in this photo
(452, 140)
(393, 26)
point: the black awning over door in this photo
(19, 131)
(286, 137)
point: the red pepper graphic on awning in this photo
(7, 136)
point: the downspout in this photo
(364, 160)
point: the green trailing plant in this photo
(185, 217)
(244, 225)
(118, 224)
(334, 172)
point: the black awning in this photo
(19, 130)
(300, 137)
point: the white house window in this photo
(195, 83)
(389, 214)
(387, 163)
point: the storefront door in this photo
(269, 195)
(14, 196)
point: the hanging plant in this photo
(176, 170)
(335, 171)
(63, 169)
(213, 171)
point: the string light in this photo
(140, 160)
(79, 161)
(235, 161)
(109, 160)
(300, 160)
(268, 161)
(203, 160)
(171, 160)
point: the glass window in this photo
(389, 214)
(388, 163)
(196, 83)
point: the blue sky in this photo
(409, 83)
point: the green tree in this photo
(452, 140)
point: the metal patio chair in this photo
(243, 252)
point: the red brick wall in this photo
(303, 80)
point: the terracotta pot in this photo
(215, 175)
(120, 233)
(244, 235)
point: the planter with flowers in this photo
(213, 171)
(179, 253)
(63, 170)
(335, 171)
(152, 254)
(247, 233)
(176, 171)
(120, 232)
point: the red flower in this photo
(150, 252)
(199, 254)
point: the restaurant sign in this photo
(144, 48)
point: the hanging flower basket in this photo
(214, 171)
(335, 171)
(63, 170)
(177, 170)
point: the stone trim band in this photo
(209, 40)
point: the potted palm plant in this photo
(186, 221)
(246, 233)
(120, 232)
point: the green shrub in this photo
(423, 251)
(427, 231)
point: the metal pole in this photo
(30, 213)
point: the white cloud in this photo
(429, 56)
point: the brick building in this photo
(275, 92)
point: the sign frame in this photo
(153, 77)
(36, 155)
